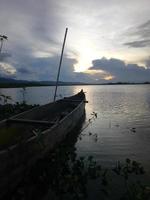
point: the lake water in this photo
(122, 128)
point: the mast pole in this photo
(60, 62)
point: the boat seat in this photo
(28, 121)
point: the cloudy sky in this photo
(108, 40)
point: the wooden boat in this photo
(40, 130)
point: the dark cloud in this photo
(107, 64)
(24, 71)
(138, 44)
(31, 24)
(83, 77)
(45, 68)
(147, 62)
(4, 56)
(34, 27)
(121, 71)
(142, 32)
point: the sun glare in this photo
(86, 54)
(95, 72)
(108, 78)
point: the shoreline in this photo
(49, 85)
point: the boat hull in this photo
(18, 158)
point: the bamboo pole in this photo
(60, 62)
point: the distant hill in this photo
(9, 82)
(12, 83)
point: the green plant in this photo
(5, 98)
(68, 176)
(2, 38)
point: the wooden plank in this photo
(73, 100)
(28, 121)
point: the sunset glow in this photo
(108, 78)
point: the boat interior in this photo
(34, 121)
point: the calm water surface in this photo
(122, 128)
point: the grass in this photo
(9, 136)
(8, 110)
